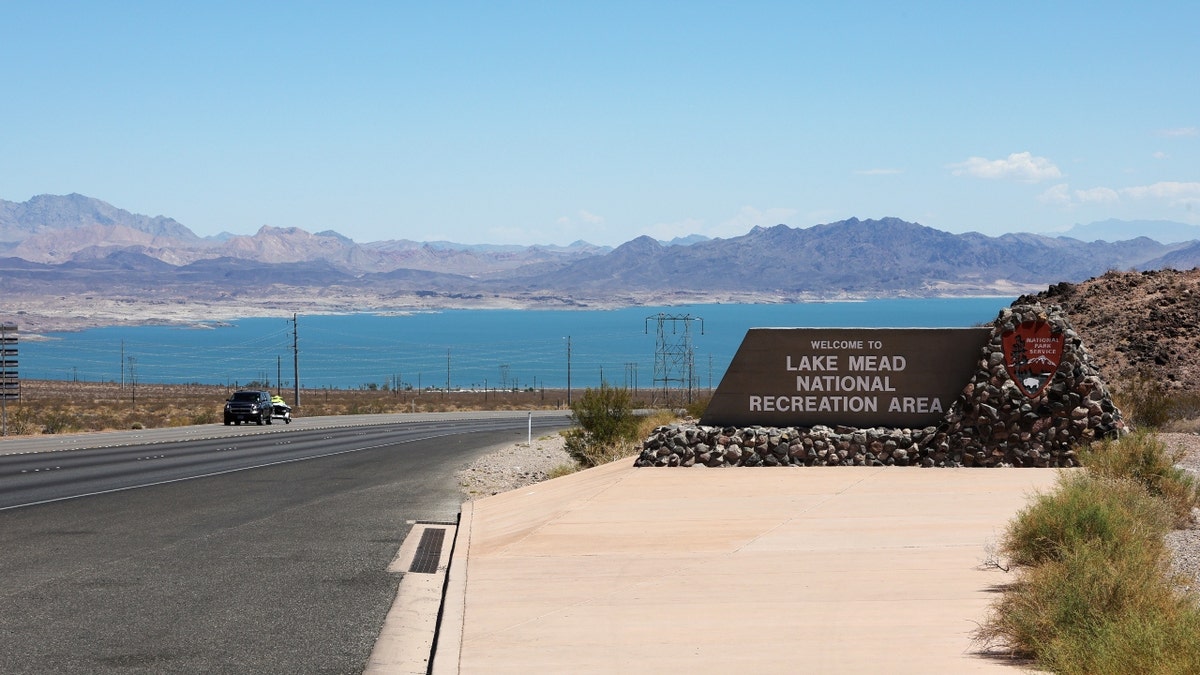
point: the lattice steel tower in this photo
(674, 355)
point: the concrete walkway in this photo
(768, 570)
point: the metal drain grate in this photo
(429, 551)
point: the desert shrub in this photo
(1144, 401)
(1097, 609)
(606, 414)
(1104, 513)
(21, 421)
(607, 426)
(366, 408)
(648, 423)
(1094, 592)
(207, 416)
(562, 470)
(1185, 405)
(1145, 459)
(696, 408)
(586, 451)
(55, 421)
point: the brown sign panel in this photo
(1032, 355)
(859, 377)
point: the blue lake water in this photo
(470, 348)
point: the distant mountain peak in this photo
(42, 213)
(1114, 230)
(685, 241)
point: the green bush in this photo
(1106, 513)
(606, 414)
(1099, 610)
(607, 425)
(1144, 458)
(1094, 592)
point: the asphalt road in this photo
(275, 569)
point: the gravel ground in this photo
(1185, 544)
(514, 466)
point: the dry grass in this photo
(55, 407)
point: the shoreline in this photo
(37, 316)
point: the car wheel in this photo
(287, 420)
(260, 419)
(268, 416)
(228, 422)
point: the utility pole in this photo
(133, 378)
(568, 371)
(447, 391)
(296, 360)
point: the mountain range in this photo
(73, 244)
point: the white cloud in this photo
(1176, 193)
(1160, 155)
(878, 172)
(1180, 132)
(1022, 166)
(1173, 192)
(1062, 195)
(1058, 195)
(1097, 194)
(590, 218)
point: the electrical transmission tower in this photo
(674, 356)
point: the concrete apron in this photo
(842, 569)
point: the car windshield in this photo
(244, 396)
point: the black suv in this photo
(248, 406)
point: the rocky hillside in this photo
(1138, 324)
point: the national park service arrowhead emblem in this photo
(1032, 355)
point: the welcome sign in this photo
(859, 377)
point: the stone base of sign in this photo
(993, 422)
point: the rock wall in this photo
(993, 422)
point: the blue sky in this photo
(548, 122)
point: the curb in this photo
(447, 645)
